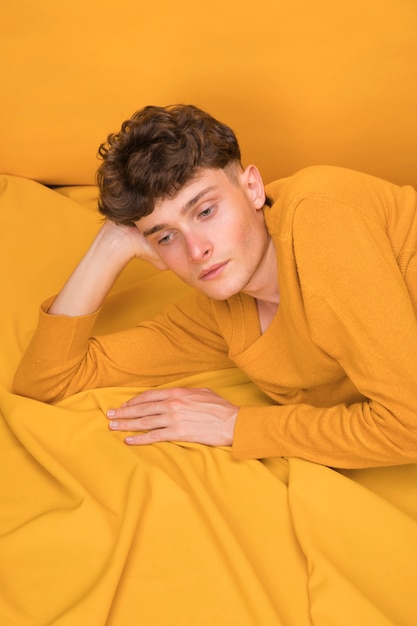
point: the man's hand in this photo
(192, 415)
(111, 250)
(131, 243)
(126, 242)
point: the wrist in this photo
(110, 248)
(92, 279)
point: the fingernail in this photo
(129, 440)
(111, 413)
(113, 424)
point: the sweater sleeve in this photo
(63, 358)
(360, 313)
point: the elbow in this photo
(19, 384)
(36, 388)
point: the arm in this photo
(360, 313)
(113, 247)
(49, 367)
(64, 358)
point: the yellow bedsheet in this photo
(95, 533)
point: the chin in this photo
(220, 292)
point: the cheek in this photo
(248, 232)
(173, 257)
(254, 243)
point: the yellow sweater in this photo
(339, 359)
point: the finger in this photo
(148, 401)
(137, 410)
(152, 395)
(157, 395)
(152, 436)
(140, 424)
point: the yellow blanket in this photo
(93, 532)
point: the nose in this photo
(199, 249)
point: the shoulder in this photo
(326, 181)
(327, 192)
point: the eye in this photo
(206, 212)
(166, 239)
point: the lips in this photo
(212, 272)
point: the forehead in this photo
(203, 179)
(200, 187)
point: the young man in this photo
(313, 295)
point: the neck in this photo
(264, 286)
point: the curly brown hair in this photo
(157, 151)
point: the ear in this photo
(253, 183)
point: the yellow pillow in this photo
(44, 234)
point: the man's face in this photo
(212, 233)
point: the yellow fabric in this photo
(343, 374)
(302, 82)
(95, 532)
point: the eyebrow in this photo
(187, 206)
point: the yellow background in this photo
(302, 82)
(93, 531)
